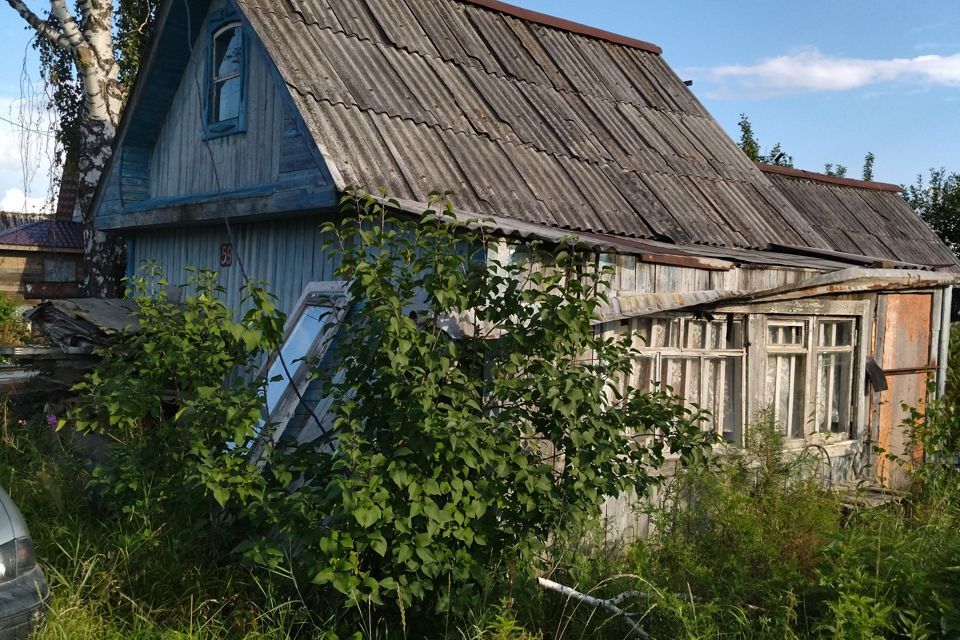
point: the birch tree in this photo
(89, 53)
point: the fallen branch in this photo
(610, 605)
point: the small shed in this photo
(42, 260)
(756, 288)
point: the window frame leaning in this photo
(332, 295)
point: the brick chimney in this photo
(67, 199)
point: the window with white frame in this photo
(809, 374)
(700, 359)
(311, 328)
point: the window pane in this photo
(643, 374)
(294, 349)
(836, 333)
(789, 335)
(227, 53)
(727, 334)
(696, 334)
(683, 376)
(226, 100)
(835, 377)
(721, 396)
(659, 332)
(786, 378)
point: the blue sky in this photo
(828, 79)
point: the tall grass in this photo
(750, 546)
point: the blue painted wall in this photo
(287, 254)
(164, 160)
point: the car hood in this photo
(12, 524)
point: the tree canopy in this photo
(751, 146)
(937, 201)
(89, 55)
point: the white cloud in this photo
(810, 71)
(26, 153)
(16, 201)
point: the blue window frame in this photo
(226, 79)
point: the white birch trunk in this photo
(97, 68)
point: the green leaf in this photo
(222, 496)
(367, 516)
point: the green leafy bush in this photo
(744, 537)
(460, 458)
(14, 329)
(175, 402)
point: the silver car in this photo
(23, 588)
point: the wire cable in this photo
(229, 229)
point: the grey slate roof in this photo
(45, 234)
(525, 121)
(862, 218)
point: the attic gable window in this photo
(226, 96)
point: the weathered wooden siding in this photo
(184, 163)
(631, 274)
(286, 254)
(31, 275)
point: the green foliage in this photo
(748, 141)
(741, 542)
(868, 161)
(937, 201)
(837, 171)
(951, 394)
(894, 572)
(460, 458)
(13, 327)
(172, 400)
(751, 146)
(133, 20)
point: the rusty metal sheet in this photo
(908, 389)
(907, 330)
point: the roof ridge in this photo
(828, 179)
(471, 63)
(563, 24)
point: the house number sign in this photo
(226, 255)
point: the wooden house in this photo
(42, 259)
(755, 287)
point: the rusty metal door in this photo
(906, 322)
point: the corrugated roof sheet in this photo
(863, 219)
(46, 234)
(547, 125)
